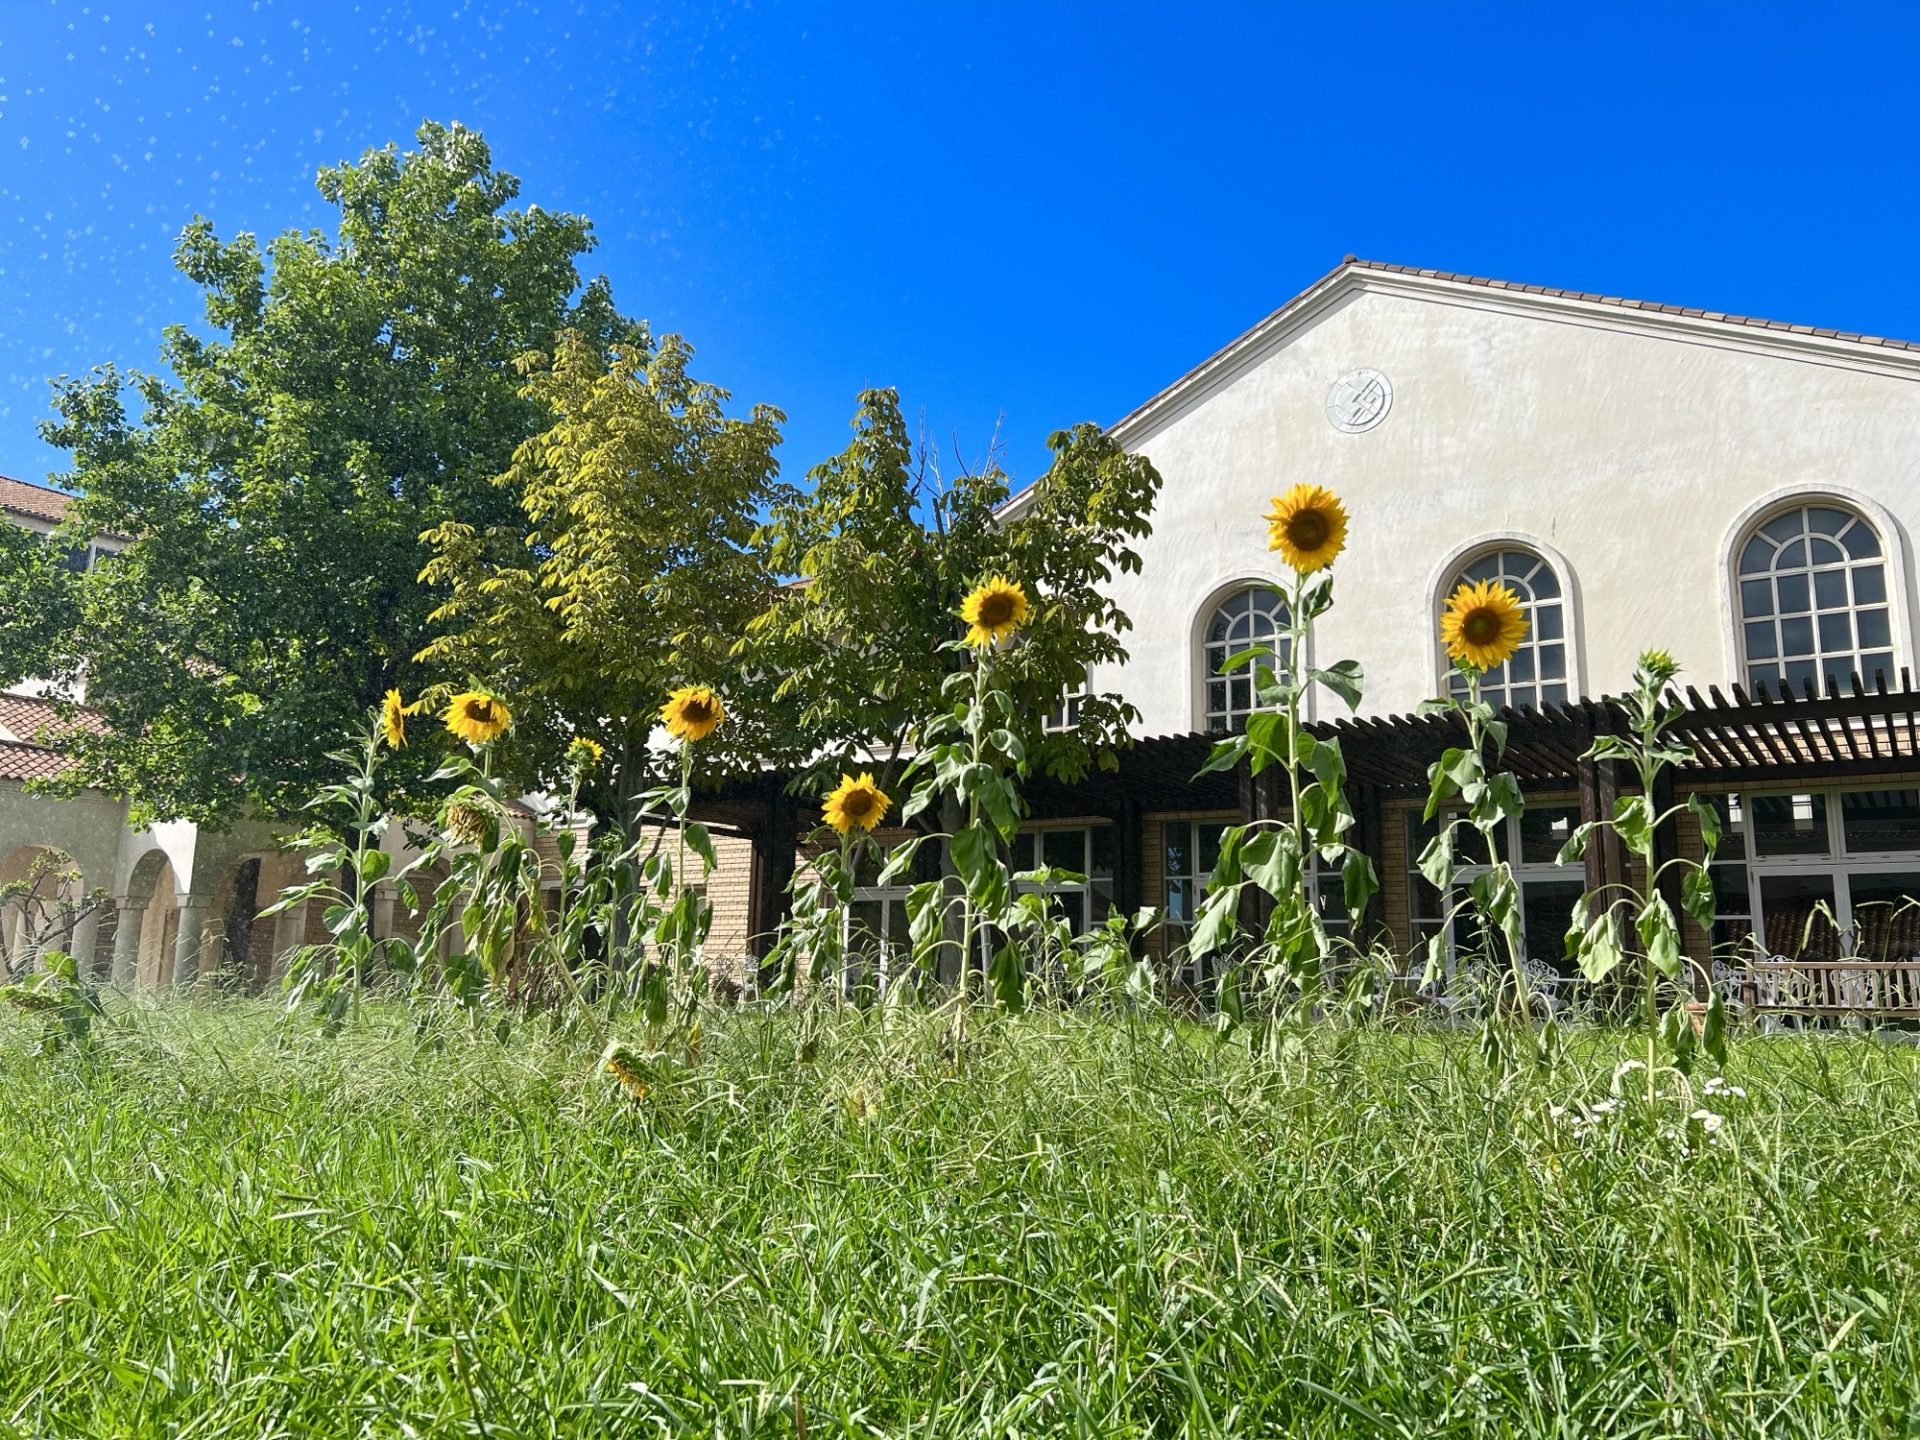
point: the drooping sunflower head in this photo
(393, 719)
(994, 610)
(1307, 525)
(470, 818)
(478, 717)
(1656, 668)
(1482, 624)
(583, 754)
(855, 801)
(626, 1066)
(692, 713)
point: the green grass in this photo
(220, 1227)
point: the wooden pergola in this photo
(1741, 739)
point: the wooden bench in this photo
(1880, 989)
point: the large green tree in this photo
(626, 568)
(344, 394)
(884, 550)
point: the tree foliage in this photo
(627, 567)
(344, 394)
(885, 551)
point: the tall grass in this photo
(1071, 1226)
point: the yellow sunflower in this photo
(393, 719)
(1308, 525)
(692, 713)
(1483, 624)
(477, 717)
(584, 754)
(855, 802)
(996, 608)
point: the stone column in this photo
(187, 943)
(85, 941)
(126, 937)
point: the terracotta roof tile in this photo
(27, 715)
(29, 762)
(40, 501)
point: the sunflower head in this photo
(393, 719)
(583, 754)
(477, 717)
(1307, 525)
(855, 802)
(1656, 668)
(692, 713)
(1482, 624)
(626, 1066)
(994, 610)
(469, 819)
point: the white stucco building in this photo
(1739, 492)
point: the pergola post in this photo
(776, 843)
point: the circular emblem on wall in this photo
(1359, 401)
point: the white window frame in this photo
(1205, 667)
(1837, 864)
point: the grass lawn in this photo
(221, 1226)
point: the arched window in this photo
(1537, 673)
(1254, 616)
(1813, 601)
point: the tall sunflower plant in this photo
(811, 949)
(667, 913)
(1482, 625)
(346, 863)
(1605, 921)
(1295, 954)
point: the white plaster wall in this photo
(1628, 448)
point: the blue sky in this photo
(1020, 215)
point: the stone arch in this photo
(44, 905)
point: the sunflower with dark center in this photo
(855, 802)
(1308, 526)
(477, 717)
(692, 713)
(993, 611)
(1483, 624)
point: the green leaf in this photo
(701, 843)
(1359, 882)
(1345, 679)
(1269, 859)
(1436, 861)
(1633, 822)
(1696, 896)
(1600, 954)
(1224, 755)
(1713, 1032)
(1576, 846)
(976, 856)
(1659, 936)
(1216, 925)
(900, 860)
(1709, 820)
(1264, 735)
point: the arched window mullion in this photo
(1812, 600)
(1253, 615)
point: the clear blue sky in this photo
(1042, 212)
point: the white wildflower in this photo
(1708, 1121)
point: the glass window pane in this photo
(1210, 832)
(1791, 557)
(1836, 632)
(1021, 851)
(1548, 905)
(1825, 520)
(1729, 889)
(1553, 663)
(1830, 589)
(1547, 623)
(1877, 821)
(1544, 583)
(1792, 590)
(1520, 668)
(1759, 636)
(1825, 552)
(1756, 598)
(1064, 850)
(1789, 824)
(1179, 859)
(1179, 902)
(1886, 915)
(1103, 839)
(1874, 629)
(1757, 558)
(1552, 694)
(1785, 527)
(1796, 635)
(1072, 906)
(1802, 674)
(1877, 665)
(1796, 909)
(1869, 585)
(1733, 827)
(1861, 542)
(1543, 830)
